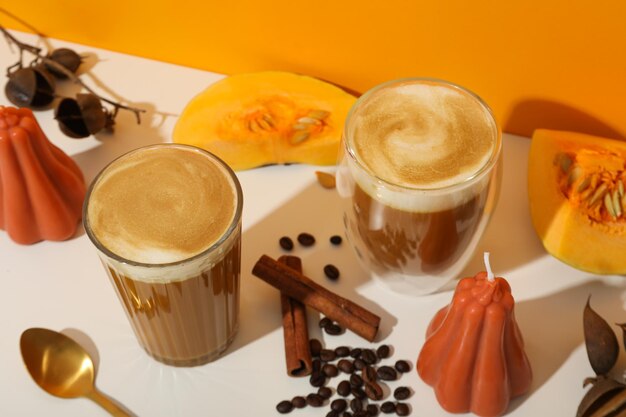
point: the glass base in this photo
(197, 361)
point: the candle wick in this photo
(490, 276)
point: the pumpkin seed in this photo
(608, 204)
(586, 194)
(268, 118)
(574, 174)
(325, 179)
(263, 124)
(299, 137)
(620, 188)
(594, 180)
(616, 204)
(564, 161)
(600, 341)
(309, 120)
(319, 114)
(252, 126)
(583, 184)
(301, 126)
(598, 194)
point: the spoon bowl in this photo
(62, 367)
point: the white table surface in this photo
(62, 286)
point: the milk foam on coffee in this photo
(162, 205)
(424, 137)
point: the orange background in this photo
(539, 63)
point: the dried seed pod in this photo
(31, 87)
(605, 397)
(82, 116)
(66, 57)
(601, 342)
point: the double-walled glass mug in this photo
(419, 176)
(166, 220)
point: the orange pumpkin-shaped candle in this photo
(474, 352)
(41, 188)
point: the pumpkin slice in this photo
(263, 118)
(576, 188)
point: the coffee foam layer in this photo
(421, 135)
(162, 205)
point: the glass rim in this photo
(486, 167)
(232, 227)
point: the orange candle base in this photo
(474, 352)
(41, 188)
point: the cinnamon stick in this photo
(297, 286)
(295, 330)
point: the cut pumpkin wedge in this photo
(264, 118)
(576, 188)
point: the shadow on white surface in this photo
(553, 325)
(128, 135)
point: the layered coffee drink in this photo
(167, 222)
(419, 178)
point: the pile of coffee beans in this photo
(363, 374)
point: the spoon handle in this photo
(106, 403)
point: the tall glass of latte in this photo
(418, 175)
(166, 220)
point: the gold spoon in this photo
(62, 367)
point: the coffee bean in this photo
(369, 357)
(330, 370)
(333, 413)
(316, 346)
(286, 243)
(401, 393)
(316, 365)
(356, 404)
(372, 410)
(317, 379)
(339, 405)
(355, 353)
(331, 272)
(402, 409)
(369, 374)
(356, 381)
(387, 373)
(373, 391)
(402, 366)
(325, 321)
(298, 401)
(345, 366)
(342, 351)
(360, 413)
(344, 388)
(333, 329)
(336, 240)
(325, 392)
(327, 355)
(388, 407)
(306, 239)
(358, 364)
(383, 351)
(314, 400)
(284, 407)
(358, 392)
(347, 414)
